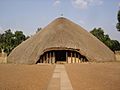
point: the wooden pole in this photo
(75, 57)
(81, 59)
(84, 59)
(71, 58)
(66, 56)
(50, 58)
(53, 57)
(78, 58)
(47, 57)
(40, 60)
(43, 58)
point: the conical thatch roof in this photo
(63, 34)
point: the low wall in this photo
(117, 55)
(3, 58)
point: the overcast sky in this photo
(28, 15)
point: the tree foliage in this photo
(114, 45)
(118, 18)
(9, 40)
(38, 29)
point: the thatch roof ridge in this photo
(61, 33)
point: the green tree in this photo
(118, 18)
(112, 44)
(115, 45)
(6, 41)
(19, 37)
(9, 40)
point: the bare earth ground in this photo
(25, 77)
(91, 76)
(95, 76)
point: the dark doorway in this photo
(60, 55)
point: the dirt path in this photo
(60, 80)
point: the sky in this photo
(28, 15)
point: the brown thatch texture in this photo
(61, 33)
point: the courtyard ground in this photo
(94, 76)
(25, 77)
(82, 76)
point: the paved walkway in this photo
(60, 80)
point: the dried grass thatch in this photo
(61, 34)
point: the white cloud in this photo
(1, 30)
(119, 4)
(96, 2)
(82, 22)
(100, 2)
(82, 4)
(56, 2)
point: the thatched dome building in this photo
(61, 40)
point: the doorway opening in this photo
(60, 55)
